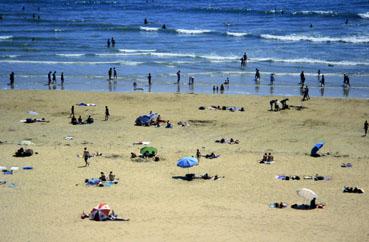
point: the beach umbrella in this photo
(100, 212)
(187, 162)
(316, 148)
(149, 150)
(306, 194)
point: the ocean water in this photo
(203, 39)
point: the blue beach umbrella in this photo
(187, 162)
(316, 148)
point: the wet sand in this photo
(47, 202)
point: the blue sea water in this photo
(203, 39)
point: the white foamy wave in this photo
(58, 30)
(134, 50)
(70, 62)
(168, 55)
(193, 31)
(364, 15)
(295, 37)
(70, 55)
(310, 61)
(131, 63)
(219, 59)
(148, 28)
(5, 37)
(10, 56)
(314, 12)
(237, 34)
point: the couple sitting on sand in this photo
(102, 180)
(145, 155)
(226, 141)
(74, 121)
(23, 152)
(267, 159)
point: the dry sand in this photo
(47, 202)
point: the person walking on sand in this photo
(365, 127)
(107, 114)
(86, 156)
(149, 79)
(71, 111)
(198, 154)
(306, 94)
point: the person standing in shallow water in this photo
(178, 76)
(108, 43)
(110, 72)
(11, 79)
(149, 79)
(62, 78)
(112, 42)
(54, 77)
(49, 78)
(115, 73)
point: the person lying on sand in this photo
(312, 205)
(207, 177)
(278, 205)
(353, 189)
(226, 141)
(111, 217)
(211, 156)
(34, 120)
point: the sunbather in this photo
(353, 189)
(89, 120)
(211, 156)
(102, 177)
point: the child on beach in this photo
(86, 156)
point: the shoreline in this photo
(183, 93)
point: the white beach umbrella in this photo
(306, 193)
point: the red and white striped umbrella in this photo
(100, 212)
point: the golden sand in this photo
(47, 202)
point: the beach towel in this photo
(7, 172)
(14, 168)
(86, 104)
(2, 168)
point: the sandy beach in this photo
(46, 202)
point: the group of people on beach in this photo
(51, 78)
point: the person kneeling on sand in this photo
(270, 158)
(111, 176)
(73, 120)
